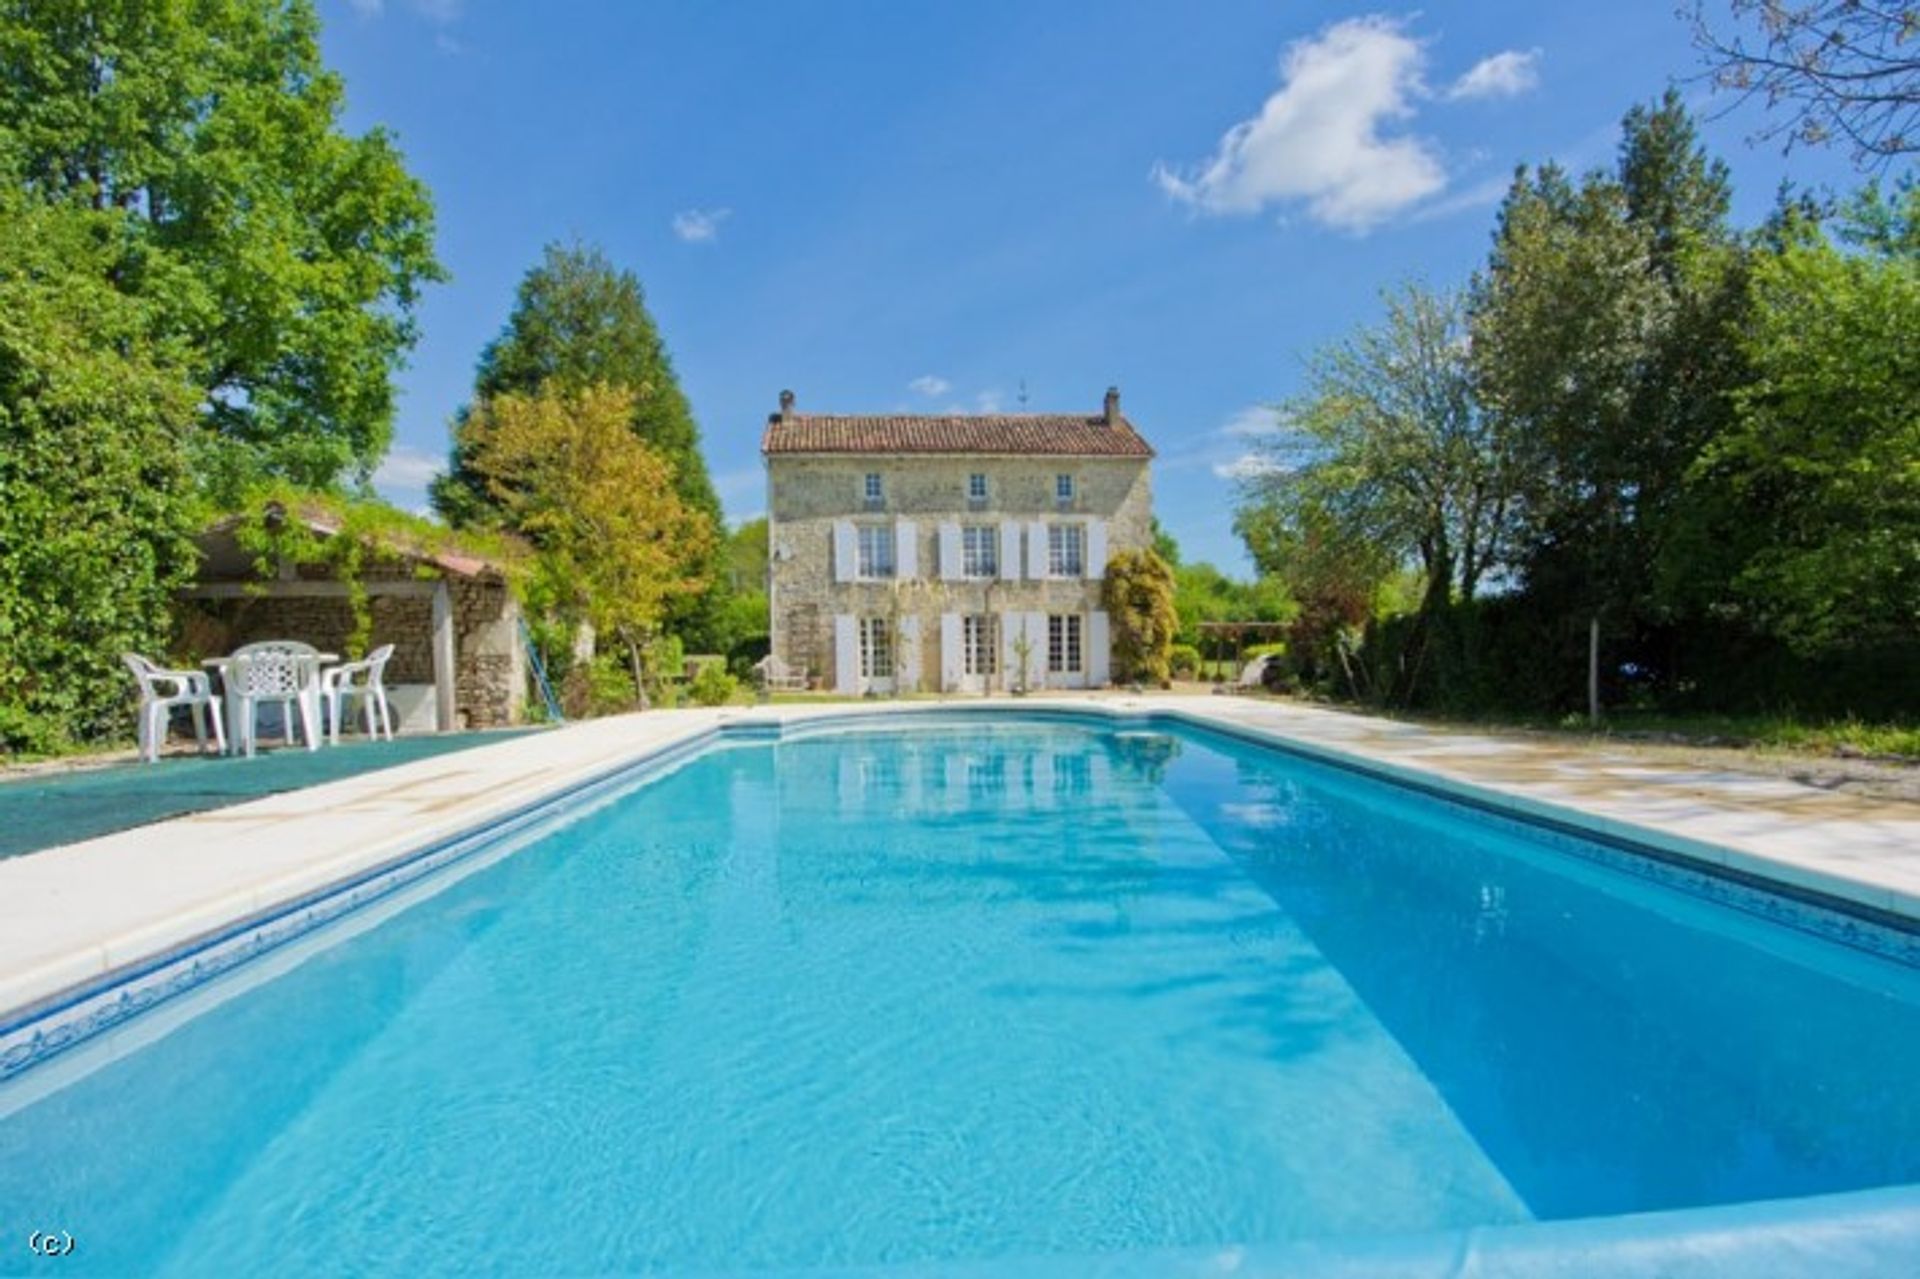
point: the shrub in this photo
(95, 513)
(1183, 660)
(713, 686)
(746, 652)
(1138, 594)
(603, 686)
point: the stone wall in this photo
(808, 495)
(491, 683)
(326, 622)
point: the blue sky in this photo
(890, 206)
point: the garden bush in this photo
(95, 511)
(713, 686)
(1138, 594)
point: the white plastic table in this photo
(309, 694)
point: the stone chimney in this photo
(1111, 412)
(786, 405)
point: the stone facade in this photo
(818, 506)
(490, 662)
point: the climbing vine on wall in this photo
(284, 526)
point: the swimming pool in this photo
(994, 991)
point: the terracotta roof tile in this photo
(1020, 434)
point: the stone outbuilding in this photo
(459, 657)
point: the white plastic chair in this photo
(776, 676)
(162, 690)
(1253, 676)
(286, 672)
(364, 680)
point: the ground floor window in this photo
(977, 642)
(876, 649)
(1063, 643)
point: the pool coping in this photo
(76, 991)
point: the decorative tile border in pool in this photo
(31, 1035)
(1844, 920)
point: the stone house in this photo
(452, 618)
(960, 553)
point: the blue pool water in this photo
(973, 991)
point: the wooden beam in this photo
(444, 670)
(305, 589)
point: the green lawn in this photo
(1783, 733)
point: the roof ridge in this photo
(1034, 434)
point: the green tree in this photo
(579, 321)
(1164, 543)
(94, 505)
(744, 614)
(1138, 597)
(1604, 343)
(1202, 593)
(1390, 441)
(747, 557)
(1823, 461)
(1336, 579)
(287, 254)
(614, 541)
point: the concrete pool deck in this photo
(78, 916)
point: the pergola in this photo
(1222, 633)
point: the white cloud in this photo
(1319, 139)
(1480, 195)
(1225, 449)
(404, 474)
(930, 385)
(700, 226)
(1248, 466)
(989, 401)
(1252, 423)
(1252, 443)
(1503, 75)
(442, 11)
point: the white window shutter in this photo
(1009, 552)
(846, 654)
(952, 565)
(1037, 551)
(906, 550)
(953, 660)
(1037, 650)
(845, 552)
(1096, 564)
(1011, 627)
(1099, 650)
(906, 661)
